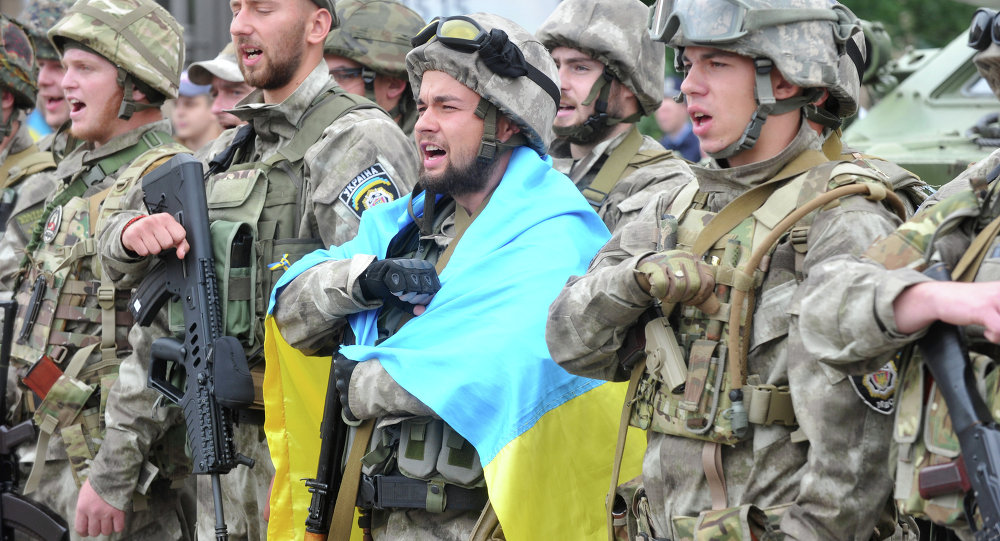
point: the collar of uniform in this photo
(716, 178)
(122, 141)
(21, 140)
(273, 121)
(596, 156)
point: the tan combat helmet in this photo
(510, 69)
(18, 69)
(39, 16)
(138, 36)
(803, 39)
(610, 31)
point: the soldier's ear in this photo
(8, 99)
(782, 88)
(506, 128)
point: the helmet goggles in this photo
(985, 28)
(500, 55)
(730, 19)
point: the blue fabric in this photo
(477, 356)
(686, 143)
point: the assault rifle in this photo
(18, 513)
(329, 475)
(947, 357)
(213, 366)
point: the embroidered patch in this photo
(878, 389)
(52, 225)
(371, 187)
(27, 219)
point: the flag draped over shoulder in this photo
(478, 358)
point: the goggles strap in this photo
(368, 76)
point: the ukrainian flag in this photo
(478, 358)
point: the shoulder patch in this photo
(878, 389)
(371, 187)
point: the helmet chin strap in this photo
(130, 106)
(591, 129)
(766, 105)
(490, 147)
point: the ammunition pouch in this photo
(401, 492)
(737, 523)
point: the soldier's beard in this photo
(273, 74)
(461, 180)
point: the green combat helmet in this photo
(510, 69)
(39, 16)
(19, 72)
(138, 36)
(805, 49)
(610, 31)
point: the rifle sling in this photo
(968, 266)
(616, 467)
(347, 496)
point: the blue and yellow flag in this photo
(478, 358)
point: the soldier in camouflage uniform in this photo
(323, 157)
(366, 55)
(39, 17)
(503, 113)
(722, 392)
(611, 75)
(19, 156)
(73, 325)
(864, 309)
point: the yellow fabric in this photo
(548, 465)
(292, 383)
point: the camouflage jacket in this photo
(591, 316)
(853, 317)
(31, 193)
(350, 146)
(633, 190)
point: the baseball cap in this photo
(190, 89)
(223, 66)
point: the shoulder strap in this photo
(973, 257)
(22, 164)
(613, 168)
(331, 105)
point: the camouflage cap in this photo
(39, 16)
(18, 69)
(139, 36)
(521, 99)
(612, 32)
(807, 53)
(224, 66)
(375, 33)
(988, 63)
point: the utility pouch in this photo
(419, 447)
(664, 358)
(458, 461)
(235, 266)
(741, 523)
(41, 376)
(64, 401)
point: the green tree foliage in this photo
(916, 23)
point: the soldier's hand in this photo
(94, 516)
(343, 368)
(676, 276)
(409, 284)
(957, 303)
(154, 234)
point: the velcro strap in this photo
(769, 404)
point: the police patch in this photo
(52, 225)
(878, 389)
(371, 187)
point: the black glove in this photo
(343, 369)
(403, 283)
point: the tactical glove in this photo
(403, 283)
(343, 369)
(676, 276)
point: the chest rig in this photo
(62, 295)
(695, 383)
(14, 169)
(256, 207)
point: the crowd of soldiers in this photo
(761, 303)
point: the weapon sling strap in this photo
(633, 387)
(598, 190)
(347, 496)
(49, 424)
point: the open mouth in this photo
(432, 154)
(565, 109)
(252, 53)
(76, 106)
(699, 119)
(52, 103)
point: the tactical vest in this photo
(695, 383)
(55, 303)
(16, 168)
(256, 208)
(625, 159)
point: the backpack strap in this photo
(612, 170)
(22, 164)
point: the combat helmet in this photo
(503, 63)
(803, 39)
(38, 17)
(609, 31)
(19, 71)
(138, 36)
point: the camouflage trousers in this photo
(418, 525)
(244, 491)
(166, 514)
